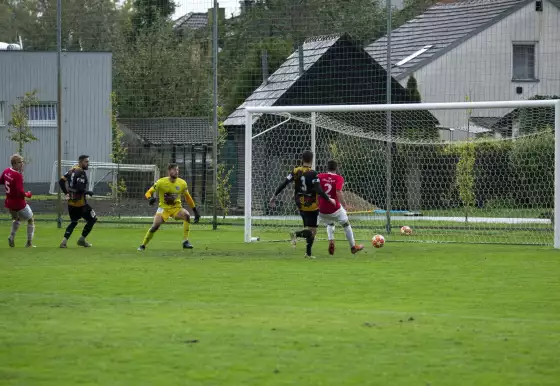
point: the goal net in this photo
(473, 172)
(120, 186)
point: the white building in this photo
(477, 50)
(86, 108)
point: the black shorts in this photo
(310, 218)
(78, 212)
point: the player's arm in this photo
(63, 183)
(190, 202)
(281, 187)
(341, 199)
(2, 182)
(17, 187)
(339, 194)
(321, 192)
(150, 194)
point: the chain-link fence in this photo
(138, 80)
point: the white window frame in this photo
(526, 64)
(2, 113)
(44, 122)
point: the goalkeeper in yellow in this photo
(169, 190)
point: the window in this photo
(524, 61)
(2, 119)
(43, 114)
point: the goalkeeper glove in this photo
(28, 194)
(88, 193)
(152, 200)
(196, 215)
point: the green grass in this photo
(228, 313)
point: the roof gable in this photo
(267, 94)
(336, 71)
(438, 30)
(192, 20)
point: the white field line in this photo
(410, 219)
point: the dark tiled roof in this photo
(443, 26)
(485, 122)
(178, 131)
(284, 78)
(191, 20)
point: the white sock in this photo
(30, 231)
(330, 231)
(15, 227)
(349, 235)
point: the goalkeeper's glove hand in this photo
(88, 193)
(28, 194)
(196, 215)
(152, 200)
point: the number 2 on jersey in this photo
(329, 188)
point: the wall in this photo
(86, 109)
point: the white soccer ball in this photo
(406, 230)
(378, 241)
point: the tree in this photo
(412, 90)
(157, 75)
(150, 12)
(536, 119)
(119, 150)
(223, 188)
(248, 72)
(18, 126)
(411, 9)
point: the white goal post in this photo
(103, 172)
(458, 172)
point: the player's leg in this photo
(327, 218)
(88, 214)
(14, 229)
(342, 217)
(330, 235)
(26, 214)
(75, 214)
(159, 219)
(184, 215)
(311, 219)
(304, 233)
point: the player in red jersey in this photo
(332, 184)
(12, 179)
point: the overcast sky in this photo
(186, 6)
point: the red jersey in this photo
(330, 182)
(13, 185)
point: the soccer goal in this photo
(108, 179)
(471, 172)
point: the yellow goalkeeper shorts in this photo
(167, 213)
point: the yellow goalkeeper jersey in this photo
(170, 192)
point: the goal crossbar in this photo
(106, 166)
(250, 111)
(402, 107)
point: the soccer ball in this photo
(406, 231)
(378, 241)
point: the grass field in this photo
(228, 313)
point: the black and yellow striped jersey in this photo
(78, 183)
(305, 179)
